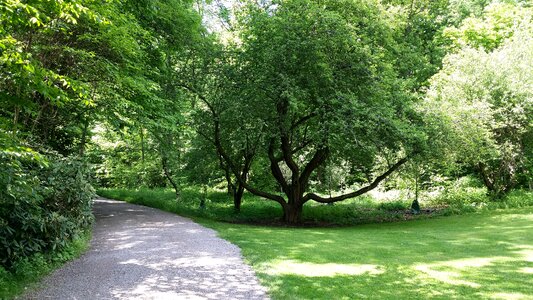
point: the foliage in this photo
(486, 104)
(123, 159)
(463, 195)
(497, 23)
(41, 90)
(29, 270)
(45, 203)
(311, 85)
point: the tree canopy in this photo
(290, 100)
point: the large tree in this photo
(319, 81)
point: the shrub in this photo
(394, 205)
(516, 198)
(44, 203)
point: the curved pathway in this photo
(139, 252)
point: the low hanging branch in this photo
(373, 185)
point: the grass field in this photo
(475, 256)
(487, 254)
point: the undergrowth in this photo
(360, 210)
(26, 272)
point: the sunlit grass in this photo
(483, 256)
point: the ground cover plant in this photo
(27, 271)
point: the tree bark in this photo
(15, 121)
(292, 213)
(142, 146)
(237, 198)
(166, 171)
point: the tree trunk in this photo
(166, 171)
(292, 213)
(15, 121)
(231, 187)
(204, 197)
(237, 198)
(142, 146)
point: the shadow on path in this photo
(142, 253)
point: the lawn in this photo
(484, 255)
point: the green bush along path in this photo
(477, 256)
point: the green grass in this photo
(27, 272)
(361, 210)
(475, 256)
(219, 207)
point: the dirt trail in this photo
(143, 253)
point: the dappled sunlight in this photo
(114, 202)
(513, 216)
(320, 270)
(525, 251)
(448, 277)
(453, 272)
(507, 296)
(186, 262)
(147, 254)
(128, 245)
(457, 258)
(453, 276)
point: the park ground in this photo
(486, 254)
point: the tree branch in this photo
(318, 158)
(225, 156)
(303, 120)
(231, 164)
(286, 152)
(274, 167)
(374, 184)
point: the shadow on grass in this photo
(486, 255)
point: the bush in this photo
(516, 198)
(30, 269)
(397, 205)
(467, 194)
(45, 202)
(463, 195)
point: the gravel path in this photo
(143, 253)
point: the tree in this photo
(40, 93)
(485, 99)
(318, 81)
(491, 28)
